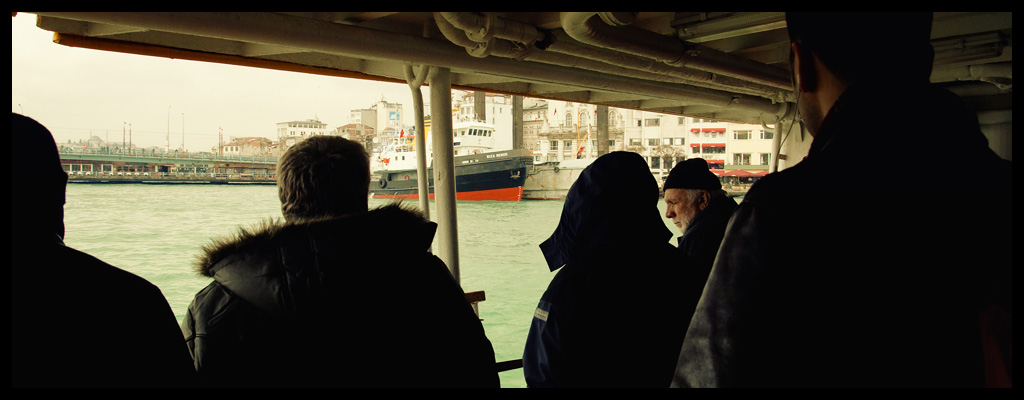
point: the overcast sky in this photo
(77, 92)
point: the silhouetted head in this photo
(38, 182)
(323, 176)
(613, 203)
(858, 45)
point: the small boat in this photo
(481, 173)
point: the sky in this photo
(77, 93)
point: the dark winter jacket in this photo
(354, 301)
(850, 270)
(77, 322)
(613, 315)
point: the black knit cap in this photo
(692, 174)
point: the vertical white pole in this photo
(444, 168)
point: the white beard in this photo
(684, 223)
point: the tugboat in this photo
(481, 173)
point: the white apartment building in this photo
(664, 140)
(748, 145)
(248, 146)
(291, 133)
(660, 138)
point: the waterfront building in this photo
(749, 146)
(660, 138)
(291, 133)
(708, 139)
(249, 146)
(555, 131)
(357, 132)
(665, 140)
(385, 118)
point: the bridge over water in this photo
(105, 166)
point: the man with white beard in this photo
(700, 209)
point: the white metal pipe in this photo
(776, 146)
(699, 86)
(504, 48)
(461, 27)
(444, 168)
(586, 28)
(482, 28)
(415, 81)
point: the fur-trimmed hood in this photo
(357, 232)
(343, 302)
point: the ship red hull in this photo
(505, 194)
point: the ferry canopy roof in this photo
(725, 66)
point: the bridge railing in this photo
(170, 155)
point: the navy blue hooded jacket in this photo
(612, 316)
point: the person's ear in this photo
(705, 200)
(806, 79)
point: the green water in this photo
(156, 231)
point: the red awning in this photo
(694, 130)
(736, 172)
(713, 130)
(694, 144)
(742, 173)
(717, 172)
(713, 144)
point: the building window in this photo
(652, 122)
(554, 145)
(765, 158)
(741, 135)
(635, 142)
(741, 158)
(679, 141)
(767, 134)
(653, 142)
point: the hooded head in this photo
(38, 182)
(614, 200)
